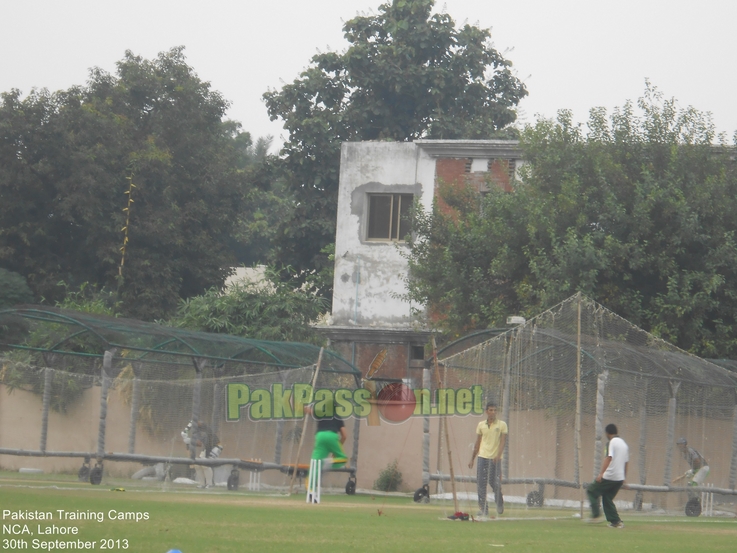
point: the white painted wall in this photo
(370, 275)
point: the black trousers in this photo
(607, 490)
(488, 471)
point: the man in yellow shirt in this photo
(491, 437)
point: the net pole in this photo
(441, 436)
(425, 431)
(278, 445)
(107, 364)
(357, 420)
(280, 424)
(670, 432)
(505, 399)
(304, 424)
(199, 365)
(642, 467)
(447, 438)
(598, 441)
(217, 394)
(135, 396)
(733, 462)
(356, 434)
(48, 379)
(579, 469)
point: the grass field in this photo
(209, 521)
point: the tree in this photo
(67, 161)
(407, 74)
(14, 289)
(464, 261)
(637, 214)
(272, 310)
(267, 202)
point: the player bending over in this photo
(200, 436)
(699, 468)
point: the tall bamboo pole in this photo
(127, 210)
(578, 404)
(304, 424)
(447, 437)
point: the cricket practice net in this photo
(559, 379)
(125, 419)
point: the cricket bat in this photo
(370, 385)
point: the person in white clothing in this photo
(610, 479)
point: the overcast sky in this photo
(573, 54)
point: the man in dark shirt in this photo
(200, 436)
(699, 467)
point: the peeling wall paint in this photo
(369, 281)
(369, 275)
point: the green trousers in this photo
(607, 490)
(327, 442)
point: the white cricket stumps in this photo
(254, 481)
(314, 481)
(707, 502)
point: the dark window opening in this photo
(389, 216)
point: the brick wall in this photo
(457, 171)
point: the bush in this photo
(13, 289)
(271, 309)
(389, 479)
(90, 299)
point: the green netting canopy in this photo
(46, 331)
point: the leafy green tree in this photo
(637, 213)
(407, 74)
(464, 261)
(273, 309)
(267, 203)
(14, 289)
(66, 163)
(251, 153)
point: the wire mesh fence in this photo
(118, 417)
(557, 379)
(119, 393)
(561, 377)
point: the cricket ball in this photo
(396, 402)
